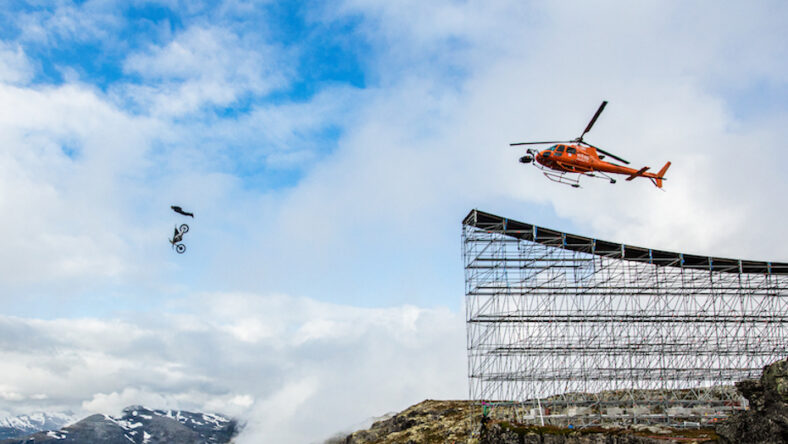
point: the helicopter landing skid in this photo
(601, 175)
(574, 182)
(559, 177)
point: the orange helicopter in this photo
(561, 161)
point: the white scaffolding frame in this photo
(567, 329)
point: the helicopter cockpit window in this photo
(560, 149)
(571, 150)
(552, 148)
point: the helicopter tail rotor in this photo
(661, 175)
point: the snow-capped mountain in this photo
(141, 426)
(17, 426)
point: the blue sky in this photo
(330, 151)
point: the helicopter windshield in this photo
(552, 148)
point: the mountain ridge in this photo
(17, 426)
(140, 425)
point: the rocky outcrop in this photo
(427, 422)
(450, 422)
(766, 421)
(502, 433)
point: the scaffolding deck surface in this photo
(546, 236)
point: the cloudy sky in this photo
(330, 151)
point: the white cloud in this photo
(291, 387)
(203, 66)
(7, 395)
(15, 67)
(64, 20)
(66, 159)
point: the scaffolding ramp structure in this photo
(564, 329)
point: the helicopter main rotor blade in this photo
(539, 143)
(593, 119)
(607, 154)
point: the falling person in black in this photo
(180, 211)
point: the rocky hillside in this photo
(426, 422)
(766, 422)
(450, 422)
(504, 433)
(139, 425)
